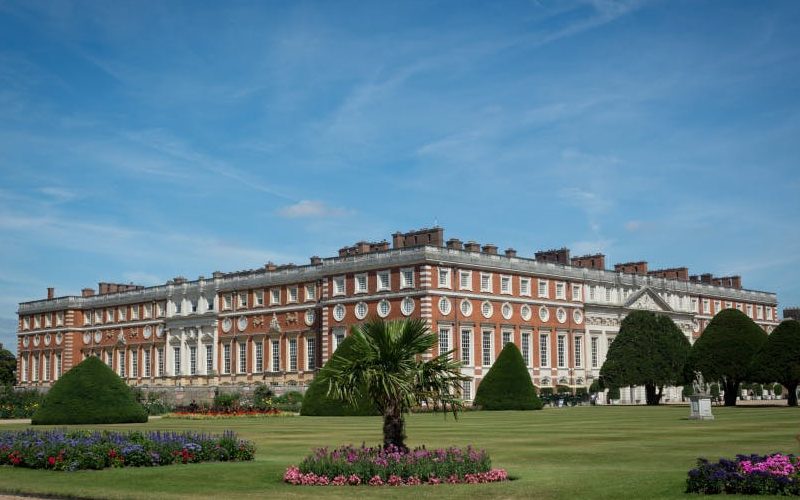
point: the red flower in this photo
(51, 461)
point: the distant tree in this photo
(779, 358)
(726, 349)
(8, 367)
(650, 350)
(507, 385)
(613, 393)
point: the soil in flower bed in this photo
(204, 414)
(59, 449)
(774, 474)
(391, 466)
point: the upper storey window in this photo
(292, 294)
(465, 280)
(525, 287)
(486, 282)
(561, 290)
(505, 284)
(338, 285)
(577, 291)
(361, 283)
(311, 292)
(706, 306)
(48, 321)
(384, 281)
(26, 323)
(122, 313)
(109, 315)
(274, 296)
(135, 312)
(543, 286)
(242, 299)
(444, 277)
(259, 297)
(717, 306)
(407, 278)
(750, 310)
(769, 313)
(161, 309)
(148, 311)
(759, 312)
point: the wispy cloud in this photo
(311, 209)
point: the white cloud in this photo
(311, 208)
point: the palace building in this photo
(279, 324)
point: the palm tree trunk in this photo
(394, 428)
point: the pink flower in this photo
(292, 475)
(339, 481)
(376, 481)
(322, 481)
(453, 479)
(413, 481)
(434, 480)
(354, 480)
(394, 480)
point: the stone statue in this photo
(699, 384)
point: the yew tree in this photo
(779, 358)
(726, 349)
(649, 350)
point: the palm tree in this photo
(386, 365)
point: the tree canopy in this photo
(649, 350)
(386, 365)
(726, 349)
(779, 358)
(89, 393)
(507, 385)
(318, 403)
(8, 367)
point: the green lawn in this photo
(584, 452)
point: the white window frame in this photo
(562, 351)
(446, 335)
(487, 282)
(311, 353)
(445, 274)
(577, 353)
(384, 280)
(293, 355)
(258, 298)
(292, 295)
(147, 369)
(465, 345)
(193, 360)
(407, 277)
(464, 276)
(275, 296)
(275, 355)
(209, 359)
(226, 358)
(706, 306)
(339, 285)
(487, 347)
(134, 362)
(176, 360)
(525, 287)
(505, 284)
(162, 361)
(544, 349)
(717, 306)
(242, 299)
(258, 356)
(134, 313)
(227, 302)
(577, 292)
(562, 294)
(525, 344)
(361, 286)
(543, 288)
(749, 308)
(760, 312)
(310, 292)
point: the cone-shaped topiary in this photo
(508, 385)
(317, 403)
(90, 393)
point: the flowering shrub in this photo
(210, 414)
(59, 449)
(394, 467)
(19, 404)
(774, 474)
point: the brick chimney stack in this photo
(51, 292)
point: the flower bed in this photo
(774, 474)
(207, 414)
(59, 449)
(391, 466)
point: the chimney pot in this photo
(51, 292)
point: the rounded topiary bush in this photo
(508, 385)
(90, 393)
(317, 403)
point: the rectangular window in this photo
(486, 282)
(121, 363)
(543, 292)
(292, 355)
(728, 305)
(60, 318)
(608, 295)
(384, 281)
(109, 359)
(695, 305)
(525, 287)
(210, 303)
(769, 313)
(242, 299)
(161, 309)
(37, 322)
(311, 354)
(444, 340)
(526, 348)
(544, 349)
(209, 359)
(578, 352)
(759, 312)
(227, 302)
(592, 292)
(178, 307)
(274, 296)
(444, 277)
(505, 284)
(87, 319)
(717, 306)
(146, 361)
(134, 363)
(292, 294)
(109, 315)
(706, 306)
(242, 365)
(467, 389)
(193, 360)
(506, 337)
(338, 338)
(147, 311)
(46, 374)
(193, 305)
(466, 345)
(48, 322)
(561, 350)
(24, 362)
(594, 352)
(750, 310)
(739, 306)
(407, 278)
(98, 316)
(58, 366)
(35, 368)
(310, 292)
(259, 357)
(226, 358)
(577, 291)
(561, 290)
(259, 295)
(161, 361)
(176, 360)
(276, 356)
(465, 280)
(338, 285)
(487, 348)
(122, 313)
(361, 283)
(134, 312)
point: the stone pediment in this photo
(648, 300)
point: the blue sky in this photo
(140, 141)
